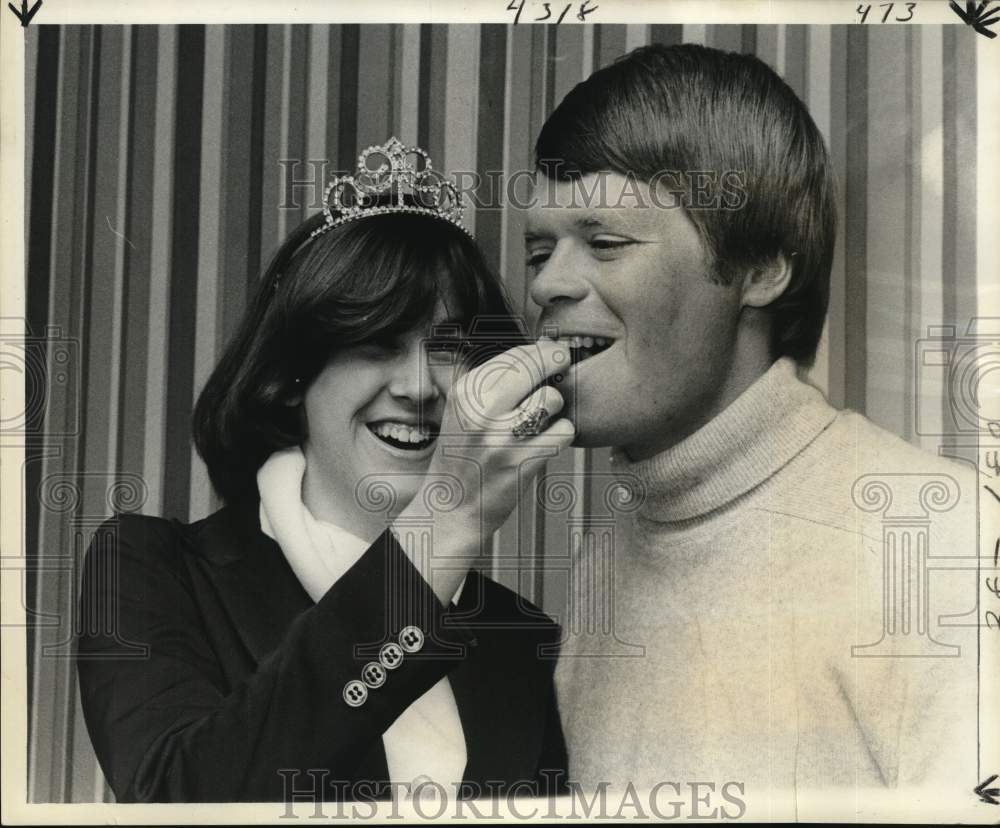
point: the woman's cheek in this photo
(444, 375)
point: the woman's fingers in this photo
(505, 402)
(561, 433)
(500, 384)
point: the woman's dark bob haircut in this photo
(368, 280)
(727, 121)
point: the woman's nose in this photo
(561, 278)
(413, 376)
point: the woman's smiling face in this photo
(372, 419)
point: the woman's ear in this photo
(765, 283)
(295, 399)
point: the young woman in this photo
(324, 630)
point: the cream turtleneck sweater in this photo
(740, 585)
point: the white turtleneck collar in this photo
(751, 439)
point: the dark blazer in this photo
(205, 668)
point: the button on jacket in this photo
(205, 668)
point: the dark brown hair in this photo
(370, 279)
(690, 108)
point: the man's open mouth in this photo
(582, 347)
(405, 436)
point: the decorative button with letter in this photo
(411, 639)
(373, 674)
(390, 656)
(355, 693)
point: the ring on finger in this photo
(529, 422)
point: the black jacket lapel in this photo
(254, 581)
(262, 595)
(501, 681)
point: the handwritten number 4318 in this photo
(581, 14)
(863, 12)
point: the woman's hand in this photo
(482, 458)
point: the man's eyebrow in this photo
(585, 222)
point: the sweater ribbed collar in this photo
(757, 434)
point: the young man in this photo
(685, 215)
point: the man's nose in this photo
(560, 280)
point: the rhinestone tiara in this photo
(388, 176)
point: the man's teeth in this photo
(401, 432)
(585, 341)
(584, 347)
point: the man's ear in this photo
(765, 283)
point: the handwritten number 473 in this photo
(863, 12)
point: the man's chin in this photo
(595, 435)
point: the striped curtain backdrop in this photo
(159, 164)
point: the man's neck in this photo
(752, 359)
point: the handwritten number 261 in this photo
(863, 12)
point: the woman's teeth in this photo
(402, 435)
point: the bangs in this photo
(365, 280)
(383, 276)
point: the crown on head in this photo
(391, 178)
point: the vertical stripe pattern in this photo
(167, 162)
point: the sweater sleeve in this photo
(164, 724)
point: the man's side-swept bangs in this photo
(755, 177)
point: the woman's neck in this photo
(327, 503)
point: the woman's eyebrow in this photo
(447, 326)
